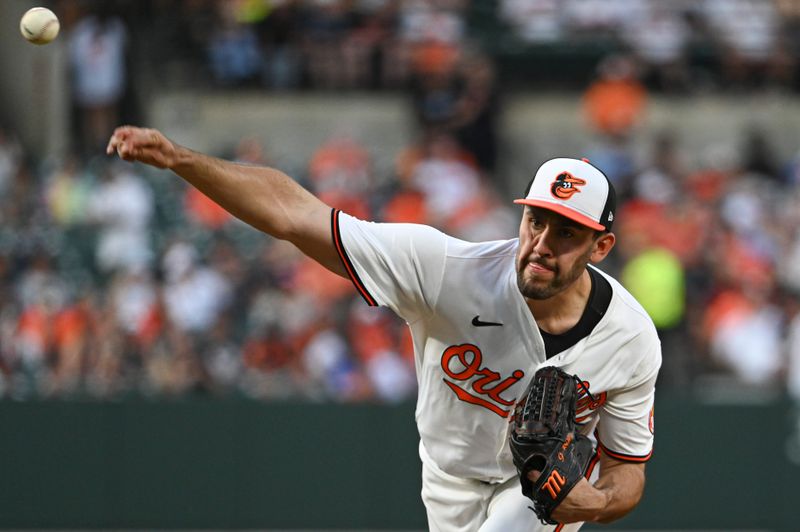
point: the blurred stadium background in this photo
(163, 366)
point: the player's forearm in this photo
(265, 198)
(622, 487)
(612, 497)
(584, 503)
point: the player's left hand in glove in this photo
(543, 438)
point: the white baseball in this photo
(39, 25)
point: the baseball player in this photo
(484, 317)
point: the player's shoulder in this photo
(426, 242)
(628, 326)
(425, 236)
(492, 249)
(405, 235)
(625, 308)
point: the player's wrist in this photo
(180, 158)
(584, 503)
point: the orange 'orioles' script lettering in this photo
(586, 405)
(554, 484)
(463, 363)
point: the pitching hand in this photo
(148, 146)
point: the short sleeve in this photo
(625, 430)
(399, 266)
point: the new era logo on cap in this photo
(573, 188)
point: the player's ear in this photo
(602, 247)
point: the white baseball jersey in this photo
(477, 345)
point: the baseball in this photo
(39, 25)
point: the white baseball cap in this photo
(573, 188)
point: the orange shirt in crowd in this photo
(614, 106)
(204, 210)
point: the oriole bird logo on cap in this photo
(566, 185)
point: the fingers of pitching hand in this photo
(127, 140)
(138, 144)
(113, 142)
(126, 149)
(117, 139)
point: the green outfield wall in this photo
(239, 464)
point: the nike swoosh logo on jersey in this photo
(478, 323)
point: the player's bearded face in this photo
(543, 285)
(550, 259)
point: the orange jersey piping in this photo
(592, 463)
(621, 456)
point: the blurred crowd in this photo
(118, 280)
(445, 53)
(378, 44)
(682, 45)
(388, 44)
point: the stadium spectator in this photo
(373, 337)
(660, 40)
(195, 295)
(750, 39)
(121, 206)
(600, 17)
(279, 34)
(475, 121)
(340, 171)
(745, 337)
(615, 101)
(233, 49)
(660, 181)
(98, 45)
(534, 21)
(449, 181)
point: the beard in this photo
(539, 289)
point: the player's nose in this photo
(541, 243)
